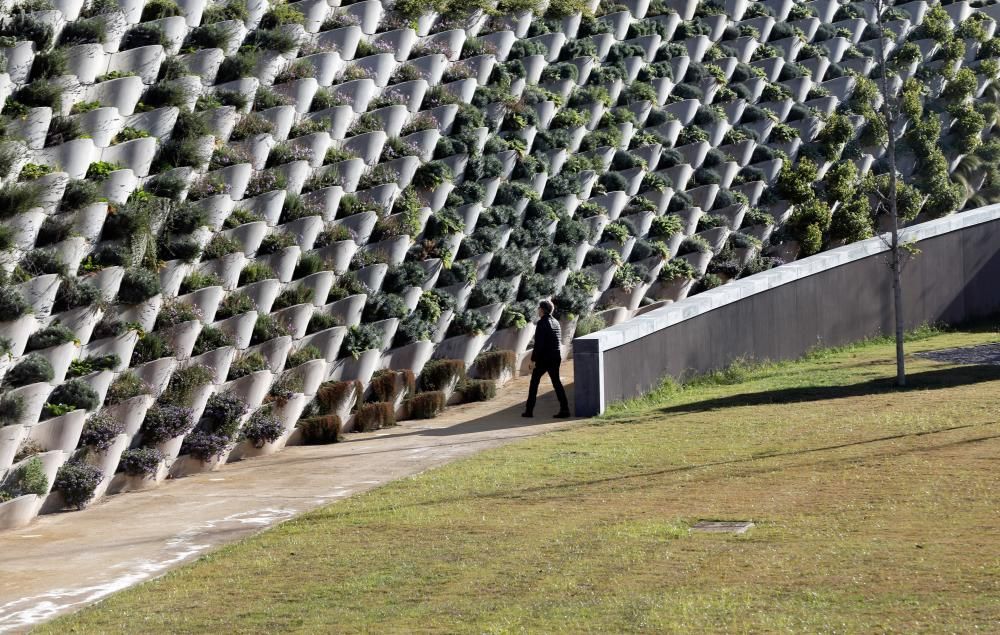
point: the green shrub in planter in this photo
(73, 293)
(70, 396)
(430, 176)
(11, 409)
(489, 292)
(439, 374)
(77, 482)
(210, 339)
(320, 430)
(694, 244)
(303, 355)
(138, 285)
(375, 416)
(322, 321)
(478, 390)
(81, 367)
(403, 276)
(382, 306)
(266, 329)
(247, 364)
(100, 432)
(196, 280)
(234, 304)
(184, 383)
(27, 479)
(53, 335)
(125, 387)
(39, 262)
(664, 227)
(140, 462)
(412, 329)
(425, 405)
(256, 272)
(359, 339)
(588, 324)
(494, 364)
(469, 323)
(150, 347)
(30, 370)
(144, 35)
(293, 296)
(12, 304)
(512, 318)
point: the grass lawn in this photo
(876, 511)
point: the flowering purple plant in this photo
(265, 181)
(262, 428)
(205, 446)
(422, 121)
(206, 187)
(140, 461)
(164, 422)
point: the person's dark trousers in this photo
(536, 376)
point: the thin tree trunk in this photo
(895, 261)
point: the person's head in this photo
(544, 308)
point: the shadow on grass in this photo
(925, 380)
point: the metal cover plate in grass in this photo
(982, 354)
(723, 526)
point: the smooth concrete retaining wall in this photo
(833, 298)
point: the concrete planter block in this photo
(317, 145)
(137, 155)
(300, 91)
(432, 67)
(327, 199)
(320, 282)
(19, 59)
(122, 93)
(81, 321)
(339, 254)
(378, 67)
(282, 118)
(699, 261)
(274, 351)
(295, 174)
(145, 61)
(372, 275)
(158, 123)
(263, 293)
(102, 125)
(239, 327)
(40, 293)
(227, 268)
(34, 396)
(343, 40)
(10, 440)
(360, 369)
(283, 262)
(144, 313)
(204, 63)
(463, 347)
(349, 309)
(218, 361)
(358, 93)
(73, 157)
(60, 433)
(25, 227)
(326, 67)
(338, 120)
(182, 338)
(87, 62)
(267, 205)
(18, 512)
(206, 300)
(296, 318)
(368, 13)
(17, 331)
(119, 186)
(518, 23)
(411, 357)
(328, 341)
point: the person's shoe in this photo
(562, 414)
(527, 414)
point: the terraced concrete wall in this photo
(829, 299)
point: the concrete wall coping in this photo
(657, 319)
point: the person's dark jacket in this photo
(548, 340)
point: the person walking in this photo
(545, 358)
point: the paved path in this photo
(62, 562)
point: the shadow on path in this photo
(925, 380)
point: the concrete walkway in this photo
(62, 562)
